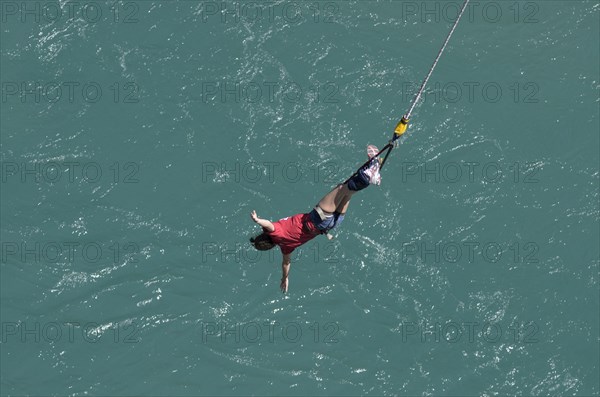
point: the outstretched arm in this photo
(285, 271)
(262, 222)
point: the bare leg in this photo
(343, 207)
(336, 200)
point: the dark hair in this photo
(262, 242)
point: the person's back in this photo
(293, 231)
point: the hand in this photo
(254, 216)
(284, 285)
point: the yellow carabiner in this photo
(401, 127)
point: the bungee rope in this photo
(403, 123)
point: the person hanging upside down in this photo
(291, 232)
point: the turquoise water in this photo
(137, 137)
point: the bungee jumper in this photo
(291, 232)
